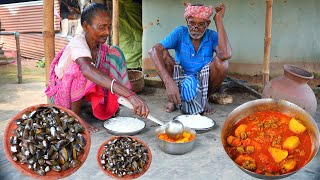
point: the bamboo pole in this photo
(16, 35)
(267, 42)
(48, 35)
(115, 22)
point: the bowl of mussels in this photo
(46, 142)
(124, 157)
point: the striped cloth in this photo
(188, 88)
(197, 104)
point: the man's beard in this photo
(196, 35)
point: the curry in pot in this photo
(269, 143)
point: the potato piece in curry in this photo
(291, 142)
(296, 127)
(278, 154)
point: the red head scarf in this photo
(203, 12)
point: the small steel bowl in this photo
(172, 147)
(282, 106)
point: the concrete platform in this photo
(207, 160)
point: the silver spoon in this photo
(173, 129)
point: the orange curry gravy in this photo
(264, 131)
(186, 137)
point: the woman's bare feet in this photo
(208, 109)
(169, 107)
(76, 108)
(92, 129)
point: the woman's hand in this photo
(140, 108)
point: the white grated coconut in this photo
(124, 124)
(196, 121)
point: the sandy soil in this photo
(207, 160)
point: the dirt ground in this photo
(207, 160)
(32, 74)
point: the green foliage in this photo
(41, 63)
(316, 75)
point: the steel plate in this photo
(125, 120)
(191, 117)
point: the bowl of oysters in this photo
(124, 157)
(46, 142)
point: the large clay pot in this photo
(293, 87)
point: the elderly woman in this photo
(88, 70)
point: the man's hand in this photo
(173, 94)
(220, 10)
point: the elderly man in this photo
(200, 64)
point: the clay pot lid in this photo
(298, 72)
(23, 167)
(109, 173)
